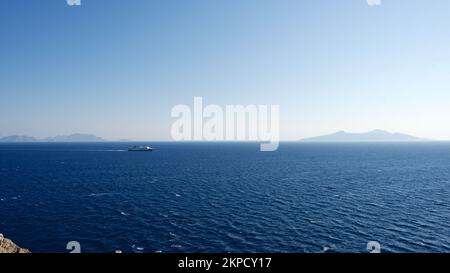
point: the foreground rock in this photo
(7, 246)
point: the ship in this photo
(137, 148)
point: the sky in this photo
(116, 68)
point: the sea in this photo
(226, 197)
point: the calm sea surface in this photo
(228, 197)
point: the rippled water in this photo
(229, 197)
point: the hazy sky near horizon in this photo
(116, 68)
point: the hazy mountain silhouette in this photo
(16, 138)
(75, 138)
(372, 136)
(63, 138)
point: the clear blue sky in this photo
(116, 68)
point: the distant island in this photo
(18, 139)
(62, 138)
(75, 138)
(372, 136)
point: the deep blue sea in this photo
(226, 197)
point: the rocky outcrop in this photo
(7, 246)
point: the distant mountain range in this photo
(341, 136)
(372, 136)
(63, 138)
(18, 139)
